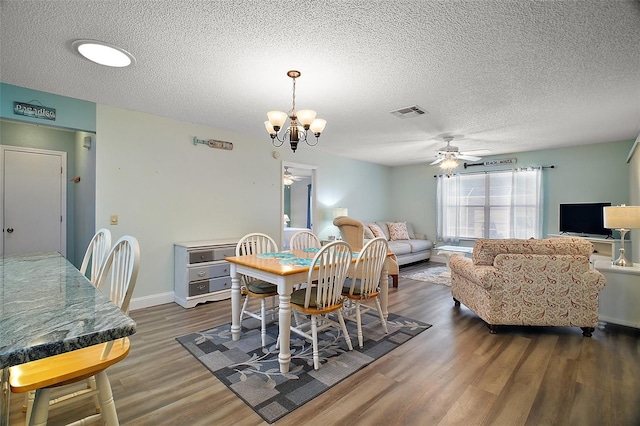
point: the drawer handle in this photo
(201, 274)
(202, 256)
(201, 287)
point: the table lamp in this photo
(340, 211)
(622, 218)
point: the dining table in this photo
(47, 307)
(284, 269)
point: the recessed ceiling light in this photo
(103, 53)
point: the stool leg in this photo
(107, 405)
(40, 408)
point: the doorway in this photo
(299, 200)
(33, 204)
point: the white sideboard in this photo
(620, 299)
(200, 272)
(609, 247)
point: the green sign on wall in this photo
(34, 111)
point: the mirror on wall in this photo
(298, 199)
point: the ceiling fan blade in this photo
(439, 160)
(468, 157)
(477, 152)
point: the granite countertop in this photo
(47, 307)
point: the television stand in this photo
(603, 247)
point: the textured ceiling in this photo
(507, 76)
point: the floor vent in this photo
(410, 111)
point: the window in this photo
(505, 204)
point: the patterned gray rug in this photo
(253, 372)
(431, 274)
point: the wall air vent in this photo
(410, 111)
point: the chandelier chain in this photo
(293, 109)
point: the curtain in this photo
(448, 208)
(501, 204)
(526, 203)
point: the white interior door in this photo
(34, 200)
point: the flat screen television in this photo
(583, 218)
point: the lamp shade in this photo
(622, 217)
(340, 211)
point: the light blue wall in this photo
(70, 113)
(593, 173)
(75, 119)
(165, 189)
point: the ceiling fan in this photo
(289, 178)
(450, 152)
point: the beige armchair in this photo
(352, 231)
(529, 282)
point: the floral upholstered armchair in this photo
(544, 282)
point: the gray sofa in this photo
(415, 249)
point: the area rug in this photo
(253, 372)
(432, 274)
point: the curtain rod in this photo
(552, 166)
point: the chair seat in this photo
(346, 289)
(259, 287)
(65, 368)
(297, 301)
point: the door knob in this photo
(9, 230)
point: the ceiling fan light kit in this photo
(449, 156)
(301, 122)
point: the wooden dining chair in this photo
(94, 258)
(325, 297)
(119, 273)
(365, 283)
(304, 239)
(96, 253)
(254, 244)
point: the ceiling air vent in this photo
(410, 111)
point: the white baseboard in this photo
(148, 301)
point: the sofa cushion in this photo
(398, 231)
(377, 231)
(400, 247)
(368, 235)
(385, 230)
(412, 234)
(485, 250)
(420, 245)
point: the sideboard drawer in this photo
(198, 287)
(221, 283)
(201, 256)
(222, 252)
(210, 271)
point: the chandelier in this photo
(301, 123)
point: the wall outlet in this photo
(114, 219)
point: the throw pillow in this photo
(398, 231)
(377, 231)
(368, 235)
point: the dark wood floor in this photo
(454, 373)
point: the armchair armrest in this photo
(487, 277)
